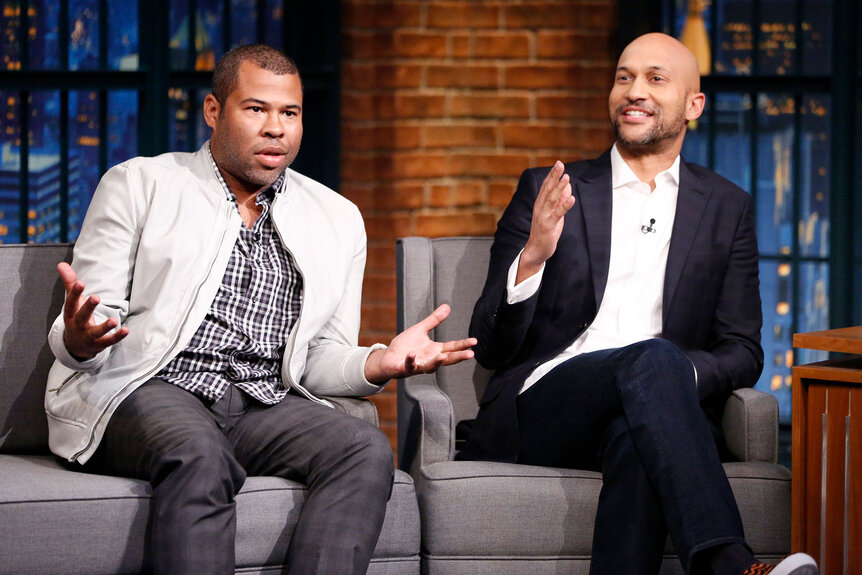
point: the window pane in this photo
(83, 34)
(774, 186)
(273, 22)
(814, 306)
(777, 46)
(695, 147)
(734, 41)
(209, 33)
(10, 165)
(776, 335)
(181, 125)
(814, 184)
(203, 131)
(244, 22)
(43, 195)
(84, 112)
(43, 39)
(178, 22)
(122, 126)
(123, 34)
(817, 37)
(10, 40)
(733, 138)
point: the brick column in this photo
(445, 103)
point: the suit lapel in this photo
(690, 205)
(594, 191)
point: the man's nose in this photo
(637, 90)
(272, 127)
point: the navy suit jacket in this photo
(711, 302)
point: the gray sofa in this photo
(56, 519)
(498, 518)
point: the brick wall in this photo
(445, 103)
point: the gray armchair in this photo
(499, 518)
(57, 518)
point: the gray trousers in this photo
(196, 457)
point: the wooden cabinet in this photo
(827, 452)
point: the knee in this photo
(665, 358)
(365, 445)
(203, 460)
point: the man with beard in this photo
(620, 311)
(224, 296)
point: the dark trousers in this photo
(633, 413)
(196, 457)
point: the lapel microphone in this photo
(648, 229)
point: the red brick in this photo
(460, 45)
(463, 76)
(500, 193)
(501, 45)
(365, 106)
(571, 107)
(419, 165)
(526, 135)
(388, 227)
(361, 44)
(380, 255)
(460, 224)
(577, 16)
(380, 14)
(490, 106)
(420, 105)
(555, 75)
(462, 15)
(420, 44)
(573, 45)
(484, 165)
(378, 316)
(386, 137)
(371, 197)
(377, 287)
(460, 194)
(380, 76)
(456, 135)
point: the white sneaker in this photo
(796, 564)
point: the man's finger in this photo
(459, 345)
(111, 339)
(436, 318)
(84, 314)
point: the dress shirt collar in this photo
(624, 176)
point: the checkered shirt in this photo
(241, 341)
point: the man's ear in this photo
(694, 109)
(212, 109)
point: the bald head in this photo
(669, 53)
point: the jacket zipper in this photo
(92, 430)
(66, 382)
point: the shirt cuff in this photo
(525, 289)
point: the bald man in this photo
(621, 310)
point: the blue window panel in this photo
(122, 126)
(777, 52)
(11, 32)
(44, 177)
(814, 306)
(734, 38)
(202, 131)
(243, 22)
(84, 141)
(695, 147)
(816, 53)
(178, 26)
(123, 34)
(776, 293)
(774, 186)
(84, 34)
(273, 22)
(814, 177)
(43, 36)
(209, 33)
(10, 166)
(181, 123)
(733, 138)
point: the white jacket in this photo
(155, 245)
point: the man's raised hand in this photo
(553, 201)
(82, 336)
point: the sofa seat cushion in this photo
(54, 519)
(485, 509)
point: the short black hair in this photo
(226, 72)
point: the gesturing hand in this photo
(82, 336)
(412, 351)
(553, 201)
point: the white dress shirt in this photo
(631, 307)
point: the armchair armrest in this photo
(357, 407)
(750, 425)
(429, 418)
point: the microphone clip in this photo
(648, 229)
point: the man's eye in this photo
(255, 108)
